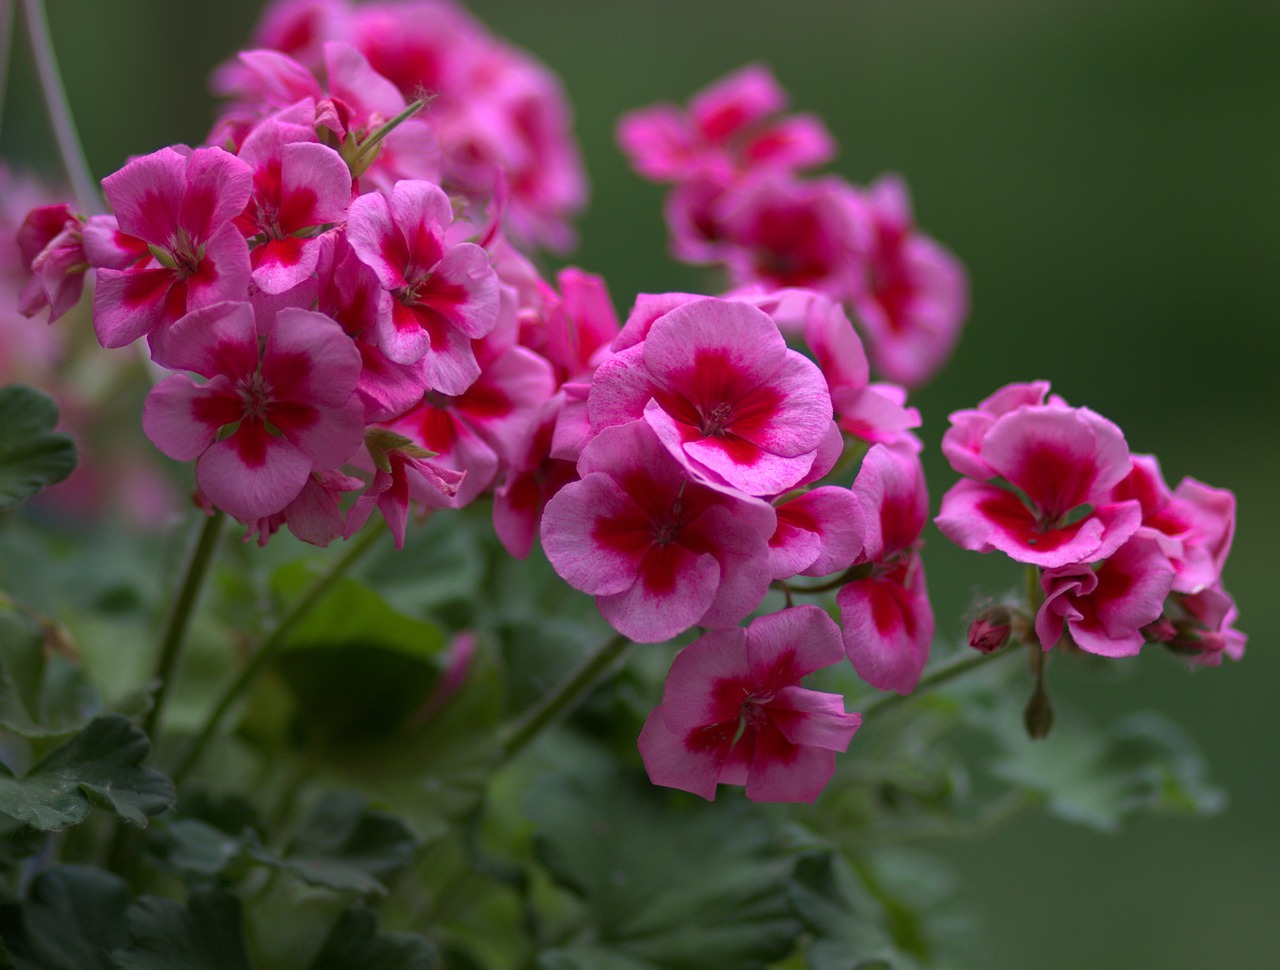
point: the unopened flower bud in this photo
(1038, 715)
(990, 630)
(1161, 631)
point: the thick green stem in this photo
(936, 677)
(58, 108)
(275, 640)
(571, 690)
(175, 631)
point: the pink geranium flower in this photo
(50, 243)
(729, 400)
(181, 205)
(263, 422)
(299, 187)
(733, 711)
(439, 296)
(916, 295)
(1105, 609)
(1063, 462)
(659, 551)
(887, 618)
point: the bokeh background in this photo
(1109, 171)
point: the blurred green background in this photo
(1108, 171)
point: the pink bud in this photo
(990, 630)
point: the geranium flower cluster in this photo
(1123, 560)
(339, 282)
(739, 202)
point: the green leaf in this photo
(354, 943)
(344, 844)
(72, 920)
(43, 693)
(31, 454)
(1145, 764)
(837, 909)
(667, 883)
(203, 935)
(102, 765)
(356, 668)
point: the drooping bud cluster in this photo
(740, 202)
(1123, 559)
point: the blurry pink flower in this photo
(659, 551)
(50, 241)
(916, 295)
(733, 712)
(729, 129)
(262, 423)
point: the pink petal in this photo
(217, 339)
(594, 535)
(218, 186)
(813, 718)
(784, 772)
(674, 589)
(146, 195)
(675, 761)
(177, 419)
(708, 681)
(782, 647)
(888, 627)
(252, 474)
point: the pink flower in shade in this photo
(181, 204)
(819, 533)
(916, 295)
(729, 400)
(299, 187)
(729, 129)
(782, 233)
(1105, 609)
(581, 323)
(528, 485)
(263, 422)
(49, 241)
(659, 551)
(1063, 462)
(348, 291)
(315, 516)
(404, 471)
(733, 711)
(438, 296)
(887, 619)
(483, 429)
(1200, 626)
(875, 413)
(1193, 524)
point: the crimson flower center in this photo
(715, 420)
(256, 395)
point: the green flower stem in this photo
(1038, 714)
(175, 631)
(936, 677)
(59, 109)
(275, 640)
(571, 690)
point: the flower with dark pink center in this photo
(262, 422)
(729, 400)
(439, 296)
(733, 711)
(1059, 465)
(659, 551)
(181, 205)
